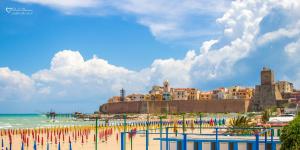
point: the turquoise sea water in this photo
(9, 121)
(37, 120)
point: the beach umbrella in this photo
(59, 146)
(70, 146)
(34, 145)
(22, 147)
(27, 141)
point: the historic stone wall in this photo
(178, 106)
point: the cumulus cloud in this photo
(70, 75)
(15, 85)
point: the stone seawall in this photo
(177, 106)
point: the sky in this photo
(73, 55)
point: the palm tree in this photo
(240, 125)
(266, 115)
(240, 122)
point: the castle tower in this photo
(267, 93)
(267, 76)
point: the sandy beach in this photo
(83, 137)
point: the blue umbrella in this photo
(59, 146)
(70, 146)
(34, 145)
(22, 147)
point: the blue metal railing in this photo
(257, 132)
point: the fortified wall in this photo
(177, 106)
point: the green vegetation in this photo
(239, 125)
(240, 122)
(266, 115)
(290, 137)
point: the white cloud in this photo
(288, 32)
(167, 20)
(293, 50)
(15, 86)
(65, 5)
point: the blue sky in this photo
(74, 55)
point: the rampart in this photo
(177, 106)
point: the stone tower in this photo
(267, 93)
(266, 77)
(166, 91)
(166, 86)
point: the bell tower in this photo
(166, 86)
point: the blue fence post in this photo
(266, 139)
(147, 139)
(235, 146)
(184, 143)
(272, 140)
(217, 139)
(167, 138)
(160, 132)
(123, 141)
(257, 141)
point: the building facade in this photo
(285, 87)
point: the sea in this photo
(21, 121)
(13, 121)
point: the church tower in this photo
(166, 86)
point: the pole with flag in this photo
(2, 144)
(124, 117)
(160, 131)
(200, 122)
(96, 143)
